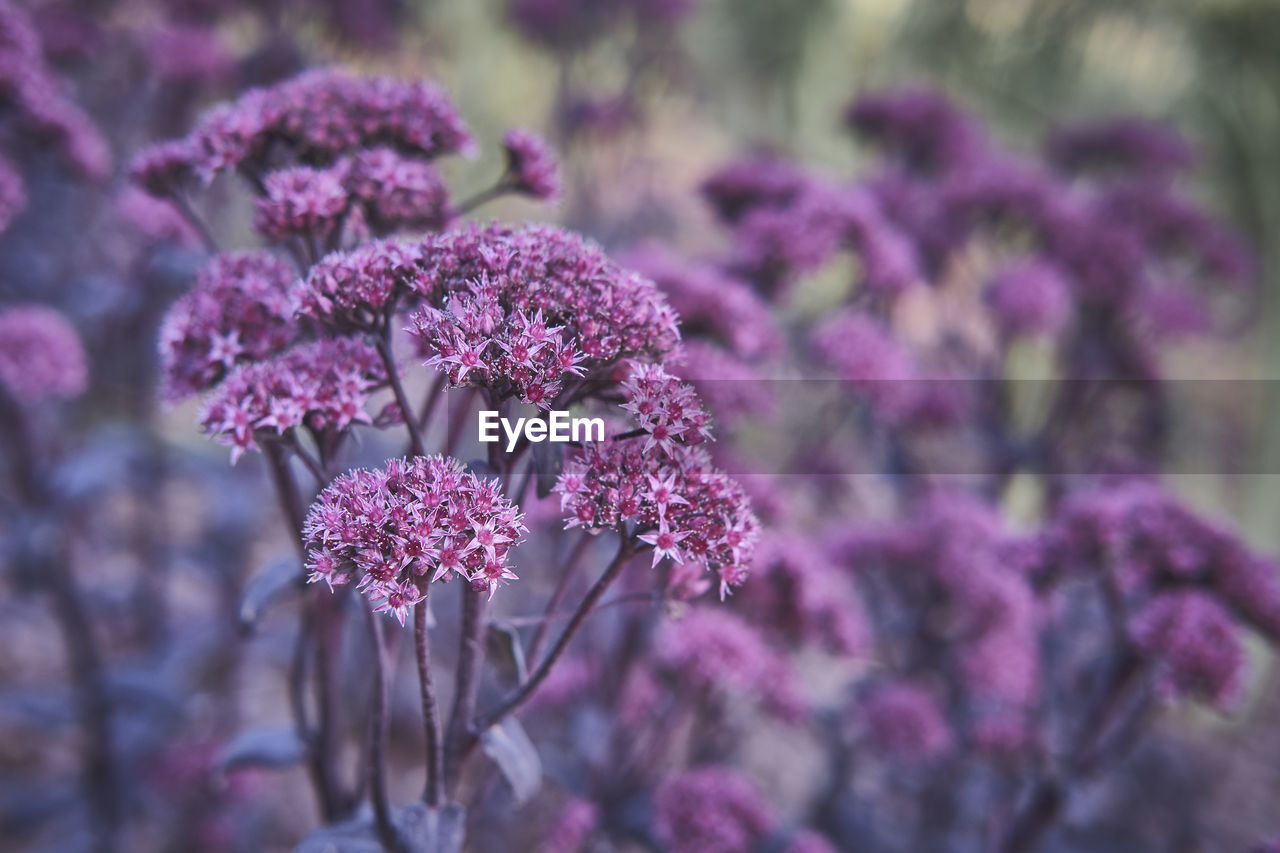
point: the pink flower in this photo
(238, 311)
(904, 719)
(41, 356)
(301, 201)
(322, 386)
(531, 167)
(710, 808)
(390, 528)
(1197, 644)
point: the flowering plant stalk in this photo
(290, 361)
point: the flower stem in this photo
(567, 573)
(406, 411)
(526, 690)
(378, 737)
(430, 713)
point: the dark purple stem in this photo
(526, 690)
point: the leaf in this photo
(273, 746)
(547, 459)
(502, 644)
(426, 830)
(265, 587)
(420, 830)
(510, 748)
(352, 837)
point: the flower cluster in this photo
(874, 363)
(905, 719)
(712, 304)
(491, 290)
(300, 202)
(34, 98)
(357, 289)
(1125, 145)
(673, 500)
(238, 311)
(955, 554)
(397, 191)
(531, 167)
(800, 594)
(395, 529)
(475, 342)
(711, 649)
(1196, 643)
(315, 119)
(667, 409)
(1030, 297)
(40, 355)
(321, 386)
(711, 808)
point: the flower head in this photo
(395, 529)
(239, 311)
(355, 289)
(905, 719)
(396, 191)
(301, 201)
(323, 386)
(522, 311)
(710, 808)
(41, 355)
(1196, 642)
(1030, 297)
(531, 167)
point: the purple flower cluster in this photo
(33, 95)
(531, 167)
(300, 202)
(313, 119)
(396, 191)
(491, 291)
(357, 289)
(905, 719)
(673, 500)
(667, 409)
(41, 356)
(395, 529)
(712, 650)
(1125, 145)
(1030, 297)
(712, 304)
(475, 342)
(711, 808)
(799, 593)
(322, 386)
(1197, 645)
(238, 311)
